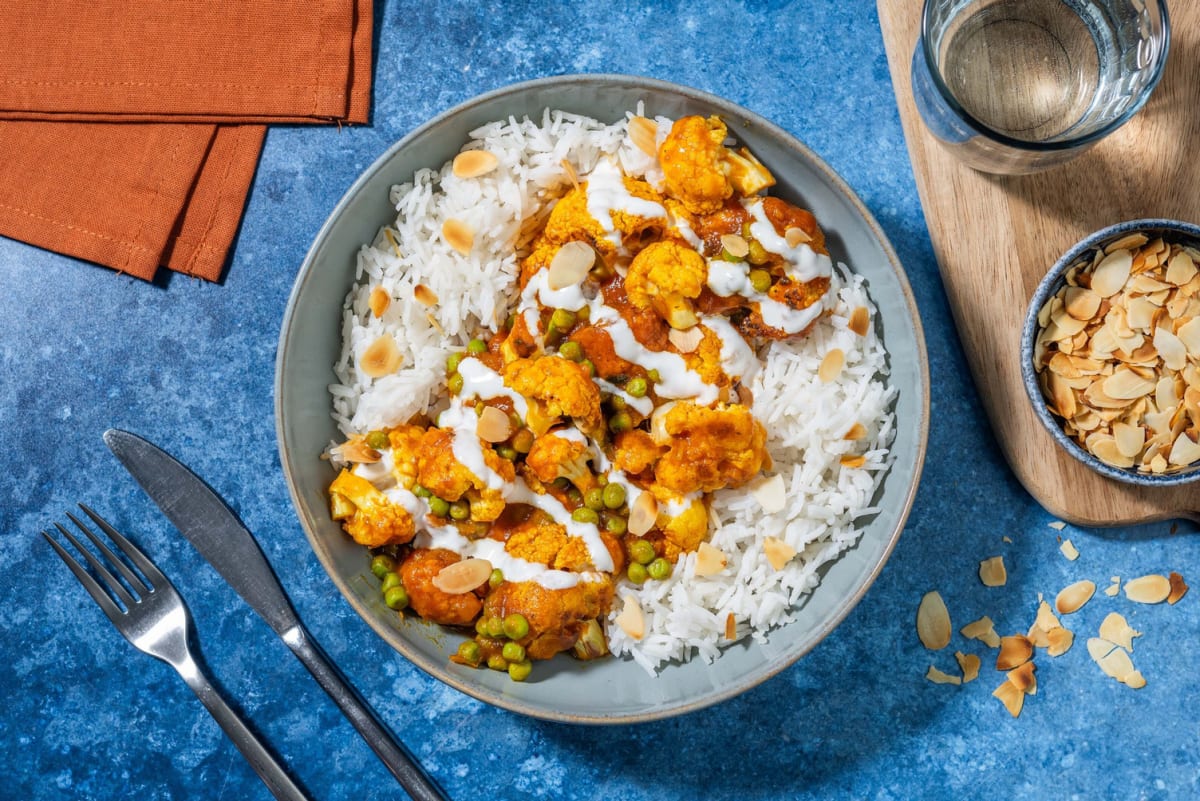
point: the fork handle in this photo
(252, 748)
(418, 784)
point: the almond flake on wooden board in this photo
(983, 630)
(1152, 589)
(933, 621)
(1179, 588)
(969, 664)
(1072, 598)
(938, 677)
(1069, 550)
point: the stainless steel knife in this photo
(212, 527)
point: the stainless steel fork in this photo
(155, 620)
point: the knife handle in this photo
(418, 784)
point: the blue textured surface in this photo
(189, 365)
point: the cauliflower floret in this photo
(417, 572)
(784, 215)
(706, 358)
(539, 539)
(701, 172)
(405, 442)
(667, 276)
(446, 477)
(710, 448)
(375, 521)
(635, 452)
(556, 618)
(554, 457)
(569, 222)
(682, 521)
(556, 387)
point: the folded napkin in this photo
(130, 130)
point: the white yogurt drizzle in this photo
(642, 405)
(805, 262)
(606, 193)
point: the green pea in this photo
(455, 384)
(588, 367)
(438, 507)
(562, 319)
(653, 376)
(389, 581)
(574, 495)
(614, 495)
(594, 499)
(760, 280)
(396, 598)
(381, 565)
(621, 421)
(636, 387)
(468, 651)
(571, 350)
(495, 628)
(507, 452)
(636, 573)
(515, 626)
(496, 579)
(585, 515)
(497, 662)
(460, 510)
(522, 441)
(583, 313)
(641, 551)
(513, 652)
(617, 402)
(519, 671)
(481, 626)
(452, 362)
(616, 525)
(659, 569)
(476, 346)
(378, 439)
(561, 483)
(421, 492)
(758, 254)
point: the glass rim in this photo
(1040, 147)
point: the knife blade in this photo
(217, 533)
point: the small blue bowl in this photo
(1172, 231)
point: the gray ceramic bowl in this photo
(1171, 231)
(613, 690)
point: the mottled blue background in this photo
(189, 365)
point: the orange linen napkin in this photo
(116, 142)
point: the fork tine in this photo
(108, 578)
(94, 589)
(134, 580)
(139, 559)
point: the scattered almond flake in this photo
(474, 163)
(463, 577)
(860, 321)
(1069, 550)
(983, 630)
(687, 340)
(735, 245)
(643, 514)
(969, 664)
(831, 365)
(1038, 637)
(631, 620)
(796, 236)
(1011, 696)
(730, 627)
(357, 450)
(382, 357)
(1072, 598)
(1180, 269)
(1117, 630)
(570, 265)
(1023, 679)
(378, 301)
(494, 425)
(1114, 661)
(853, 461)
(1057, 525)
(1152, 589)
(933, 621)
(1184, 451)
(1111, 273)
(458, 235)
(992, 572)
(938, 677)
(1113, 588)
(643, 133)
(770, 493)
(857, 431)
(1007, 539)
(1179, 588)
(434, 324)
(1014, 650)
(424, 295)
(1046, 620)
(1059, 640)
(1135, 680)
(778, 552)
(709, 560)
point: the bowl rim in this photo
(1049, 284)
(838, 612)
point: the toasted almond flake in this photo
(1059, 641)
(1129, 439)
(1135, 680)
(1080, 303)
(770, 493)
(1171, 348)
(1111, 273)
(1007, 539)
(434, 324)
(1114, 661)
(1022, 677)
(1069, 550)
(570, 265)
(1038, 637)
(709, 560)
(1011, 696)
(378, 301)
(382, 357)
(458, 235)
(983, 630)
(730, 627)
(424, 295)
(796, 237)
(778, 552)
(735, 245)
(969, 665)
(1184, 451)
(1015, 650)
(1152, 589)
(643, 133)
(1128, 242)
(853, 461)
(1072, 598)
(1113, 588)
(857, 431)
(1057, 525)
(643, 514)
(831, 365)
(1105, 449)
(860, 321)
(686, 341)
(1046, 620)
(1180, 269)
(494, 425)
(631, 620)
(1179, 588)
(938, 677)
(1117, 630)
(463, 577)
(992, 572)
(357, 450)
(933, 621)
(474, 163)
(1189, 335)
(1125, 384)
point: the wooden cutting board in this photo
(996, 236)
